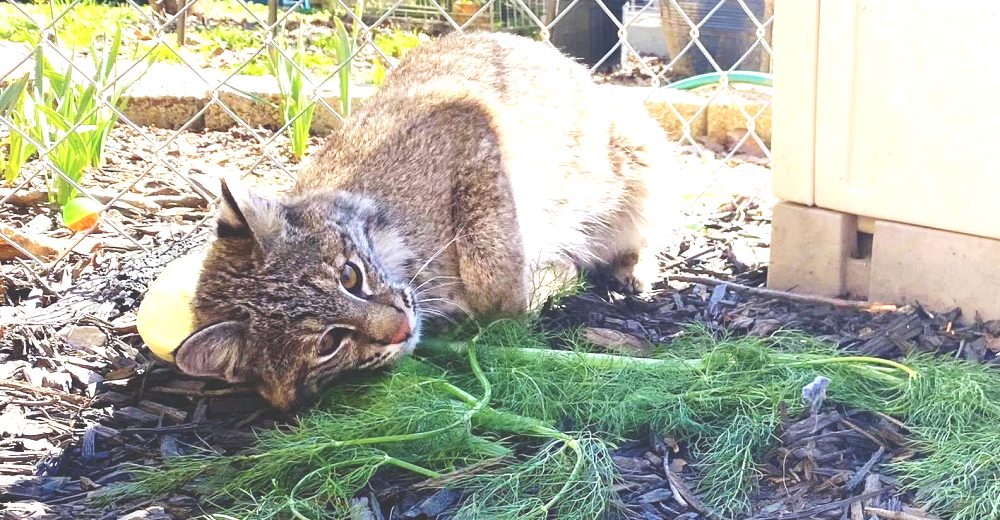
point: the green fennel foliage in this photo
(547, 422)
(954, 415)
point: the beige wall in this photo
(890, 109)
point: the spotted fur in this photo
(484, 160)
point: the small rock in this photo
(39, 224)
(149, 513)
(86, 337)
(84, 376)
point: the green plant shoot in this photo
(10, 95)
(297, 105)
(345, 49)
(12, 102)
(68, 118)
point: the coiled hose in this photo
(701, 80)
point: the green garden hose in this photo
(701, 80)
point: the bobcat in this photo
(484, 162)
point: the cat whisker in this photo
(420, 294)
(431, 279)
(436, 254)
(439, 314)
(453, 303)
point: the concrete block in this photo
(809, 249)
(170, 112)
(167, 95)
(816, 251)
(256, 100)
(857, 278)
(940, 269)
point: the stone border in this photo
(170, 95)
(715, 120)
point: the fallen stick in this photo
(785, 295)
(31, 389)
(683, 494)
(896, 515)
(822, 508)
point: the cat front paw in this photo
(635, 275)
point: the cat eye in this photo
(350, 278)
(332, 340)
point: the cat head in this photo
(295, 292)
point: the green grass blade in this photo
(344, 53)
(12, 94)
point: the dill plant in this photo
(548, 419)
(954, 416)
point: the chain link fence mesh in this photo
(191, 95)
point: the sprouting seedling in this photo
(10, 95)
(67, 121)
(18, 150)
(297, 105)
(345, 50)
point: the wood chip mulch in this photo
(81, 401)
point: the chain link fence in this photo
(118, 118)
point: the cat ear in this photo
(212, 352)
(244, 214)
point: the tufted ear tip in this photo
(232, 223)
(244, 214)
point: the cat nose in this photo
(403, 333)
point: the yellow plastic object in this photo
(165, 316)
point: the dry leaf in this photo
(618, 341)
